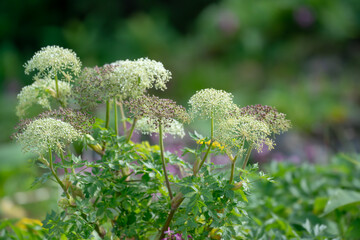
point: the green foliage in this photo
(308, 201)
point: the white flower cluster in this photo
(41, 135)
(40, 92)
(135, 77)
(233, 132)
(147, 126)
(51, 61)
(208, 103)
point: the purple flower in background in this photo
(227, 22)
(304, 17)
(178, 236)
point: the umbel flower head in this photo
(276, 121)
(211, 103)
(82, 122)
(54, 61)
(235, 132)
(148, 126)
(135, 77)
(44, 134)
(41, 92)
(158, 110)
(95, 86)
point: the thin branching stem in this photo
(204, 158)
(233, 161)
(57, 87)
(107, 119)
(123, 117)
(56, 176)
(131, 130)
(179, 197)
(116, 118)
(247, 158)
(161, 143)
(63, 161)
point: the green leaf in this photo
(195, 136)
(243, 195)
(341, 198)
(188, 150)
(76, 159)
(41, 180)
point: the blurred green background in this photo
(301, 56)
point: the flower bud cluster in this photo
(158, 110)
(275, 120)
(47, 133)
(51, 61)
(148, 126)
(135, 77)
(41, 92)
(95, 86)
(234, 132)
(211, 103)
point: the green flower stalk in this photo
(161, 113)
(48, 133)
(53, 62)
(40, 93)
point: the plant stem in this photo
(55, 175)
(233, 161)
(212, 127)
(180, 197)
(57, 87)
(63, 161)
(247, 157)
(107, 119)
(123, 116)
(116, 118)
(167, 223)
(204, 158)
(131, 130)
(161, 143)
(96, 226)
(57, 91)
(232, 172)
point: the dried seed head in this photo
(158, 110)
(95, 86)
(276, 121)
(54, 61)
